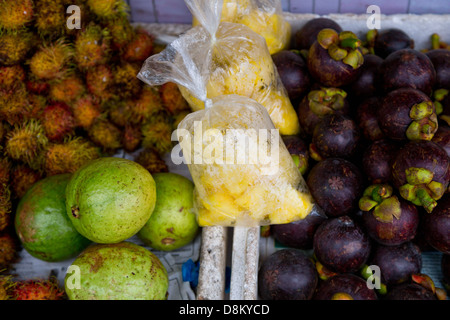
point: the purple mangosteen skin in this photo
(437, 225)
(287, 274)
(341, 245)
(397, 263)
(410, 291)
(348, 283)
(396, 232)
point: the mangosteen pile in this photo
(374, 152)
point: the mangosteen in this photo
(335, 136)
(377, 160)
(318, 103)
(410, 291)
(421, 173)
(341, 245)
(437, 225)
(367, 119)
(307, 34)
(297, 234)
(293, 73)
(345, 286)
(442, 137)
(335, 59)
(445, 268)
(407, 114)
(441, 100)
(397, 263)
(441, 62)
(299, 151)
(367, 84)
(383, 43)
(386, 218)
(287, 274)
(336, 185)
(408, 68)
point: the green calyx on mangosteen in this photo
(386, 218)
(342, 46)
(380, 198)
(407, 114)
(334, 60)
(421, 172)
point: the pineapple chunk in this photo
(294, 206)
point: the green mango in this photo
(118, 271)
(173, 223)
(42, 225)
(110, 199)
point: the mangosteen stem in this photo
(352, 43)
(426, 200)
(435, 41)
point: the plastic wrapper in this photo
(265, 17)
(231, 59)
(244, 175)
(242, 171)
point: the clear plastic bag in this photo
(231, 59)
(265, 17)
(242, 171)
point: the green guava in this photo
(118, 271)
(173, 223)
(110, 199)
(42, 224)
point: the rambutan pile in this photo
(69, 96)
(40, 289)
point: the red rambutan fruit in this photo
(15, 14)
(8, 249)
(92, 46)
(5, 170)
(5, 214)
(126, 83)
(11, 77)
(25, 142)
(85, 110)
(15, 46)
(14, 105)
(51, 19)
(132, 137)
(51, 60)
(105, 135)
(58, 121)
(99, 80)
(157, 134)
(67, 89)
(38, 289)
(172, 98)
(108, 9)
(23, 177)
(146, 105)
(69, 156)
(139, 48)
(150, 159)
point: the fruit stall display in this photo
(373, 147)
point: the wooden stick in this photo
(244, 265)
(211, 280)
